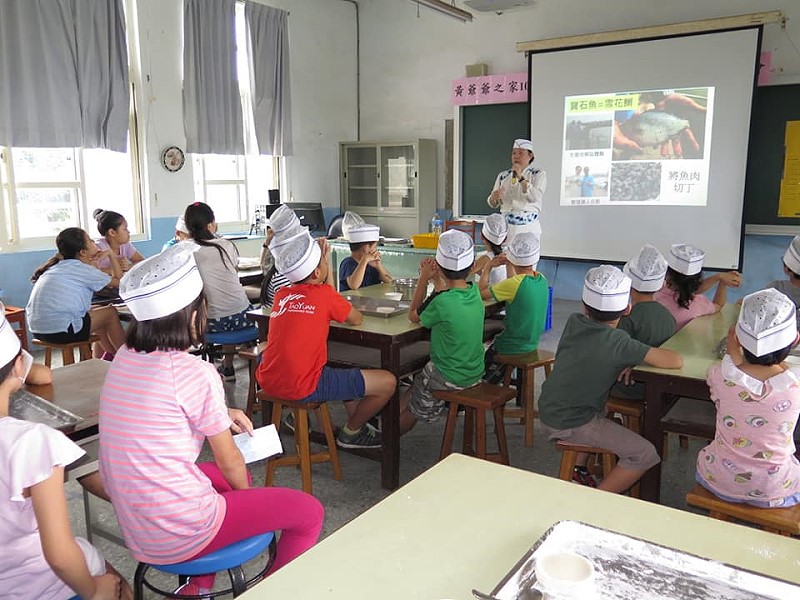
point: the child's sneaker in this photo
(190, 589)
(366, 437)
(583, 477)
(227, 373)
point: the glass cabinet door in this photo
(398, 175)
(361, 176)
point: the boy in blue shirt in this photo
(363, 267)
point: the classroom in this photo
(380, 73)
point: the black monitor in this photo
(310, 215)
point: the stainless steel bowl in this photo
(405, 286)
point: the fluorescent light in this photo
(447, 9)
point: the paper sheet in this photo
(262, 444)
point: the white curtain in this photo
(63, 74)
(268, 33)
(212, 110)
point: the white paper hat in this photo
(9, 342)
(180, 225)
(350, 220)
(606, 288)
(455, 250)
(685, 259)
(524, 144)
(363, 233)
(162, 284)
(495, 228)
(297, 257)
(294, 229)
(523, 250)
(767, 322)
(646, 269)
(792, 256)
(283, 218)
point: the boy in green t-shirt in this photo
(525, 294)
(592, 352)
(454, 314)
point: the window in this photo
(234, 185)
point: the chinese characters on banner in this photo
(789, 201)
(490, 89)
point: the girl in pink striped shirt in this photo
(158, 406)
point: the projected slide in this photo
(637, 147)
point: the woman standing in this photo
(518, 191)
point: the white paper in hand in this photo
(262, 444)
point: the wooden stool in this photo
(569, 458)
(304, 457)
(67, 350)
(783, 521)
(476, 400)
(16, 316)
(631, 411)
(254, 404)
(526, 365)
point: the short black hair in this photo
(495, 248)
(768, 359)
(6, 369)
(454, 275)
(177, 331)
(356, 246)
(603, 316)
(794, 275)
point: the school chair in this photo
(783, 521)
(476, 400)
(526, 365)
(569, 458)
(16, 316)
(67, 350)
(230, 559)
(466, 226)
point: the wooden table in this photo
(465, 522)
(696, 343)
(390, 336)
(16, 316)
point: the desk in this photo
(696, 343)
(251, 276)
(465, 522)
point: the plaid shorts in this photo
(422, 404)
(230, 323)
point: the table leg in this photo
(390, 423)
(653, 411)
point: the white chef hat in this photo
(363, 233)
(495, 228)
(294, 229)
(524, 144)
(646, 269)
(297, 257)
(349, 220)
(606, 288)
(283, 218)
(767, 322)
(180, 225)
(523, 250)
(9, 342)
(792, 256)
(162, 284)
(455, 250)
(685, 259)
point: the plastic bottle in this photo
(436, 224)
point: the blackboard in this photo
(772, 107)
(487, 134)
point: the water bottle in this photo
(436, 224)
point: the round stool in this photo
(236, 337)
(230, 559)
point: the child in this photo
(493, 233)
(60, 307)
(293, 363)
(525, 294)
(39, 556)
(217, 260)
(791, 266)
(682, 293)
(158, 406)
(181, 233)
(116, 237)
(363, 267)
(648, 321)
(757, 397)
(591, 354)
(454, 313)
(283, 225)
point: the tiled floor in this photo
(360, 488)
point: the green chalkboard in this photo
(487, 133)
(772, 107)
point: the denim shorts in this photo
(232, 322)
(338, 384)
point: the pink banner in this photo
(764, 72)
(490, 89)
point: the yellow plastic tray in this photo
(425, 240)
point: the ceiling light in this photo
(448, 9)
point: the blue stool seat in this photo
(233, 338)
(230, 558)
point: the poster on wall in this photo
(637, 147)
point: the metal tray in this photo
(379, 307)
(628, 568)
(30, 407)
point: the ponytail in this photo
(198, 216)
(51, 262)
(70, 242)
(684, 286)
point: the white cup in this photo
(564, 576)
(394, 295)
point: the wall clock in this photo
(172, 158)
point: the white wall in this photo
(408, 62)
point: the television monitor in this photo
(310, 215)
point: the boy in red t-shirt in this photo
(293, 363)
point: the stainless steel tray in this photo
(379, 307)
(628, 568)
(30, 407)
